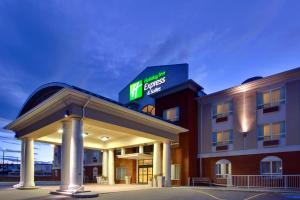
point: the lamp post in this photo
(3, 156)
(244, 139)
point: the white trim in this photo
(223, 161)
(160, 124)
(250, 151)
(270, 158)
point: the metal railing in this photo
(285, 182)
(264, 181)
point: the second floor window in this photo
(222, 109)
(271, 131)
(271, 98)
(171, 114)
(222, 138)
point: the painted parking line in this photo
(208, 194)
(254, 196)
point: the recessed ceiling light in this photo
(84, 134)
(60, 130)
(104, 138)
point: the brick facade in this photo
(185, 153)
(250, 164)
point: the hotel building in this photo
(164, 124)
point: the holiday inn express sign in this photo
(149, 85)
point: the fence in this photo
(264, 181)
(252, 181)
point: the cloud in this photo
(11, 85)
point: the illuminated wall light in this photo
(244, 120)
(104, 138)
(60, 131)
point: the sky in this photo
(102, 45)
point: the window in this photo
(121, 172)
(222, 137)
(150, 109)
(271, 131)
(171, 114)
(175, 172)
(223, 168)
(222, 109)
(271, 165)
(95, 156)
(271, 98)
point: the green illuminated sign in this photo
(149, 85)
(136, 90)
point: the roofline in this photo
(281, 76)
(69, 90)
(177, 88)
(63, 85)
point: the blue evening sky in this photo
(102, 45)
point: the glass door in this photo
(144, 171)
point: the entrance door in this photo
(144, 171)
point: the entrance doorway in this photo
(145, 173)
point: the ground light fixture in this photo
(104, 138)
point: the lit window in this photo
(121, 172)
(272, 131)
(271, 165)
(222, 137)
(222, 109)
(171, 114)
(175, 172)
(150, 109)
(223, 168)
(271, 98)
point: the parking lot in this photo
(179, 193)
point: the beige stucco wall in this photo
(293, 113)
(290, 112)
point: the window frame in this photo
(218, 168)
(271, 104)
(177, 108)
(222, 114)
(119, 173)
(229, 141)
(272, 135)
(271, 160)
(177, 168)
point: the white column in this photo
(111, 167)
(104, 163)
(72, 156)
(156, 159)
(21, 183)
(123, 151)
(28, 168)
(141, 149)
(167, 163)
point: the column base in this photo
(78, 194)
(71, 188)
(167, 183)
(26, 187)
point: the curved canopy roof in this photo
(46, 91)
